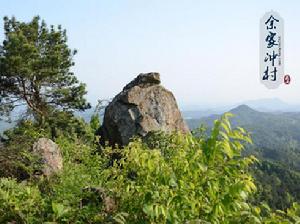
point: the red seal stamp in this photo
(287, 79)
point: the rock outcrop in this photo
(51, 158)
(143, 106)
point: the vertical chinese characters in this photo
(271, 42)
(271, 67)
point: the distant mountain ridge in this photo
(276, 136)
(273, 105)
(276, 143)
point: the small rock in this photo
(50, 154)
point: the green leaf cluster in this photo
(167, 178)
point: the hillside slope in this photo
(276, 142)
(275, 136)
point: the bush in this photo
(186, 180)
(169, 178)
(19, 202)
(16, 159)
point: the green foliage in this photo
(65, 124)
(277, 185)
(169, 178)
(65, 192)
(186, 180)
(95, 122)
(277, 145)
(16, 159)
(95, 118)
(35, 64)
(19, 202)
(57, 199)
(276, 136)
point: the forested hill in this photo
(276, 142)
(276, 136)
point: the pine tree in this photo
(35, 63)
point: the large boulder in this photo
(51, 158)
(142, 107)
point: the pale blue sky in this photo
(206, 51)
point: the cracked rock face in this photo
(142, 107)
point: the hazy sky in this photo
(206, 51)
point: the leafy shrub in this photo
(65, 124)
(16, 159)
(169, 178)
(19, 202)
(188, 179)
